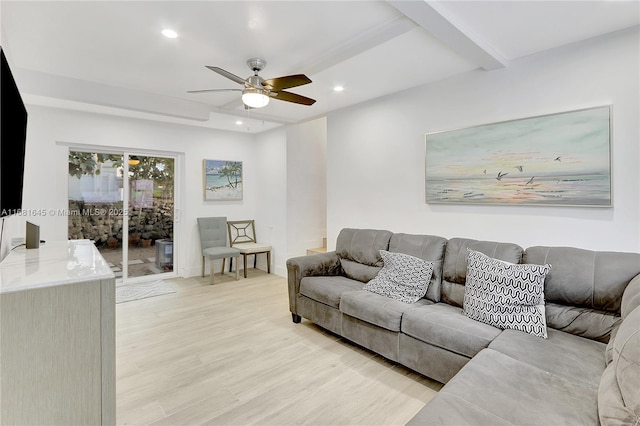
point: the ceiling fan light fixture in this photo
(254, 98)
(169, 33)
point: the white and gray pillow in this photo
(505, 295)
(403, 277)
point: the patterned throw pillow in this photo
(403, 277)
(506, 295)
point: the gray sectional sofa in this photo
(585, 372)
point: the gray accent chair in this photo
(587, 371)
(213, 243)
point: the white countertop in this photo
(53, 263)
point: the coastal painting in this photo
(222, 180)
(560, 159)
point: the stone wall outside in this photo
(100, 221)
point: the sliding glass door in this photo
(151, 214)
(124, 202)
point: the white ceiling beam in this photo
(435, 19)
(357, 45)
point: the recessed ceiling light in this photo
(338, 89)
(239, 122)
(169, 33)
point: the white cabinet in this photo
(57, 336)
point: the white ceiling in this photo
(109, 56)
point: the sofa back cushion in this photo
(584, 289)
(359, 252)
(427, 247)
(454, 270)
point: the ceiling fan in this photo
(257, 91)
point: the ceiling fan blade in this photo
(214, 90)
(286, 82)
(292, 97)
(227, 74)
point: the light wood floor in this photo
(229, 354)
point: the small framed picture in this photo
(222, 180)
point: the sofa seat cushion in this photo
(562, 354)
(328, 290)
(445, 326)
(495, 389)
(376, 309)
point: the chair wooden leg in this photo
(237, 268)
(211, 271)
(245, 265)
(223, 263)
(255, 261)
(268, 262)
(203, 266)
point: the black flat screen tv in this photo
(13, 136)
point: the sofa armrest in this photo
(322, 264)
(630, 297)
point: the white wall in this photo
(376, 151)
(271, 213)
(46, 174)
(306, 186)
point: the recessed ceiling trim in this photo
(72, 89)
(216, 121)
(434, 18)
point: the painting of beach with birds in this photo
(560, 159)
